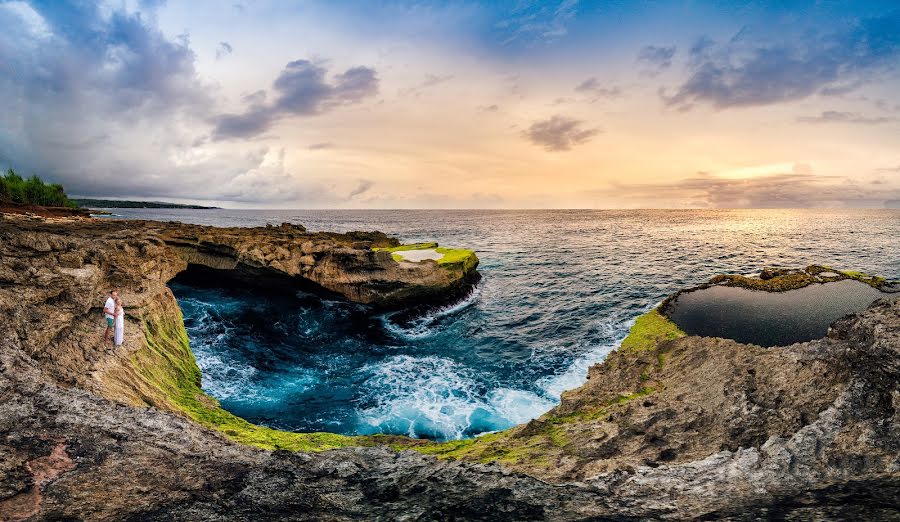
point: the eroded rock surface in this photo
(690, 427)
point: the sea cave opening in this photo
(283, 353)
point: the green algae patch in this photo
(457, 257)
(451, 258)
(170, 379)
(648, 331)
(873, 281)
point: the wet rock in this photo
(693, 428)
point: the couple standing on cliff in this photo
(115, 318)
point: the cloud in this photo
(99, 99)
(302, 90)
(430, 81)
(781, 190)
(489, 108)
(321, 146)
(593, 87)
(845, 117)
(760, 69)
(559, 133)
(223, 50)
(532, 22)
(362, 186)
(657, 58)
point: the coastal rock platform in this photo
(669, 426)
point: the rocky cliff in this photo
(669, 426)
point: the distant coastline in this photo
(114, 203)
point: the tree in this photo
(33, 191)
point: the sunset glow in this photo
(467, 104)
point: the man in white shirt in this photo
(109, 311)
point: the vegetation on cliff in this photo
(556, 434)
(450, 257)
(33, 191)
(113, 203)
(168, 366)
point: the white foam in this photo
(518, 406)
(576, 374)
(423, 326)
(438, 398)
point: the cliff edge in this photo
(668, 426)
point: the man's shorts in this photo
(109, 322)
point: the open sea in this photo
(560, 289)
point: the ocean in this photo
(560, 289)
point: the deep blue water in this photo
(560, 289)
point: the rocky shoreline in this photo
(668, 426)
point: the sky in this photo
(464, 104)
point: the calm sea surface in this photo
(560, 289)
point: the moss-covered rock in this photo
(171, 380)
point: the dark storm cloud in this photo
(787, 190)
(845, 117)
(658, 58)
(302, 89)
(766, 69)
(103, 102)
(76, 83)
(594, 88)
(559, 133)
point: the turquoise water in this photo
(560, 289)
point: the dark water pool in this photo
(770, 318)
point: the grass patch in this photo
(649, 330)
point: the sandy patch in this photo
(419, 255)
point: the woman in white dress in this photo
(120, 323)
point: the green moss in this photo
(648, 331)
(546, 437)
(167, 364)
(874, 281)
(465, 259)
